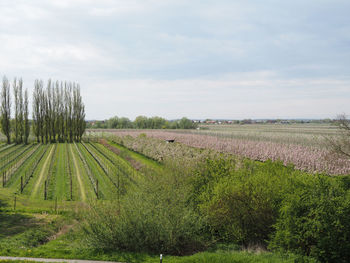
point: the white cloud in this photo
(195, 58)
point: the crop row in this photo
(103, 164)
(51, 175)
(125, 173)
(66, 171)
(5, 147)
(311, 159)
(17, 165)
(32, 166)
(12, 156)
(119, 171)
(13, 161)
(92, 178)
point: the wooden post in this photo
(118, 192)
(14, 205)
(21, 184)
(45, 192)
(71, 188)
(97, 188)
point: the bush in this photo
(314, 221)
(240, 212)
(242, 204)
(154, 217)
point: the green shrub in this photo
(240, 212)
(241, 204)
(314, 221)
(154, 217)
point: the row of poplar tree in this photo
(58, 112)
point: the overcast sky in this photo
(195, 58)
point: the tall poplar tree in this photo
(6, 109)
(16, 97)
(20, 113)
(58, 112)
(26, 120)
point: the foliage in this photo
(154, 217)
(341, 143)
(26, 126)
(143, 122)
(314, 221)
(241, 203)
(19, 107)
(6, 109)
(58, 112)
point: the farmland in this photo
(303, 145)
(132, 190)
(64, 172)
(142, 194)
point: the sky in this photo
(222, 59)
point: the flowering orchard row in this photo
(311, 159)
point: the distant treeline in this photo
(142, 122)
(267, 121)
(58, 112)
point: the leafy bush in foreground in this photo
(153, 217)
(242, 204)
(314, 221)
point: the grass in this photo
(235, 257)
(79, 171)
(15, 180)
(67, 247)
(119, 170)
(106, 189)
(137, 156)
(36, 186)
(62, 180)
(52, 173)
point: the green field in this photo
(45, 186)
(64, 172)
